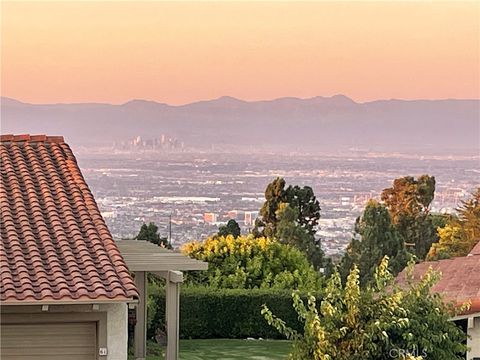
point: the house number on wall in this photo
(102, 351)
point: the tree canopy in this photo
(374, 237)
(291, 216)
(300, 198)
(381, 321)
(289, 231)
(231, 228)
(461, 233)
(409, 196)
(150, 233)
(249, 262)
(408, 202)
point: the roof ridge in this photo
(31, 138)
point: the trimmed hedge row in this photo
(224, 313)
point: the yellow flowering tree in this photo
(247, 262)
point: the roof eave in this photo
(130, 300)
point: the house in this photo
(65, 287)
(460, 283)
(65, 284)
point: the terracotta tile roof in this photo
(476, 249)
(460, 280)
(55, 245)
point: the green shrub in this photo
(247, 262)
(223, 313)
(381, 321)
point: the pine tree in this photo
(375, 237)
(289, 231)
(300, 198)
(150, 233)
(231, 228)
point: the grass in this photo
(225, 349)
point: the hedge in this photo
(224, 313)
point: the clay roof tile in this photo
(54, 243)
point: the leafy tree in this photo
(440, 220)
(291, 215)
(249, 262)
(469, 217)
(231, 228)
(409, 197)
(452, 243)
(275, 195)
(461, 233)
(307, 206)
(375, 323)
(301, 199)
(375, 237)
(289, 231)
(150, 233)
(408, 202)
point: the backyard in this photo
(225, 349)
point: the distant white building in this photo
(109, 214)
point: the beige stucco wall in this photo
(117, 330)
(474, 342)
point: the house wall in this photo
(474, 341)
(112, 320)
(117, 330)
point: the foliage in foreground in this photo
(247, 262)
(379, 322)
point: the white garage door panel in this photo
(72, 341)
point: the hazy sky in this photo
(178, 52)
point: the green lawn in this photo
(226, 349)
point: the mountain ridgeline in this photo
(288, 124)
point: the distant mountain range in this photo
(291, 124)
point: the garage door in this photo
(66, 341)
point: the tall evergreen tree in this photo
(150, 233)
(408, 202)
(300, 198)
(291, 214)
(266, 224)
(375, 237)
(231, 228)
(291, 232)
(307, 205)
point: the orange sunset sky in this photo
(179, 52)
